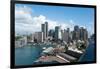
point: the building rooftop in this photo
(48, 50)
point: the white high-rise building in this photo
(43, 29)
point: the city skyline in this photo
(28, 18)
(53, 34)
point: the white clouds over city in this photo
(25, 22)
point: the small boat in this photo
(44, 48)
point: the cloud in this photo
(23, 14)
(26, 23)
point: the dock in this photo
(52, 58)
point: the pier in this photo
(52, 58)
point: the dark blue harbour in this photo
(89, 55)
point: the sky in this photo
(28, 18)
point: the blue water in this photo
(89, 54)
(27, 55)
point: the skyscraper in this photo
(76, 28)
(43, 29)
(83, 34)
(65, 36)
(51, 33)
(69, 34)
(57, 33)
(46, 23)
(68, 30)
(76, 33)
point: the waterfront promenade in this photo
(52, 58)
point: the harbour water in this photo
(89, 54)
(28, 54)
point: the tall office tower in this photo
(73, 33)
(69, 34)
(43, 29)
(68, 30)
(83, 34)
(76, 33)
(65, 36)
(51, 33)
(46, 23)
(76, 28)
(57, 33)
(62, 34)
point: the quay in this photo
(52, 58)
